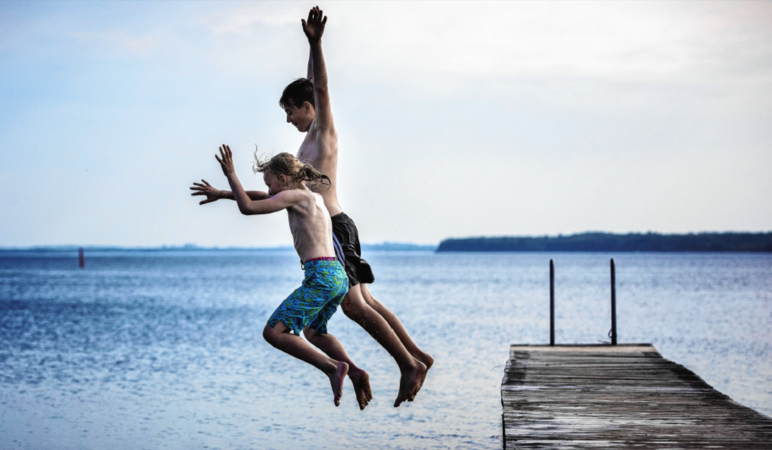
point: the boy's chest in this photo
(308, 156)
(309, 149)
(318, 153)
(301, 227)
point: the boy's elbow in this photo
(320, 87)
(252, 210)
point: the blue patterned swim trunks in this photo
(313, 303)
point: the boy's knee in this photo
(353, 309)
(347, 307)
(353, 304)
(269, 334)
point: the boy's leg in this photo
(412, 370)
(330, 345)
(280, 337)
(398, 328)
(354, 306)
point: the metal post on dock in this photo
(613, 332)
(552, 303)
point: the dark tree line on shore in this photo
(609, 242)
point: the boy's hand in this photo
(212, 194)
(226, 161)
(314, 28)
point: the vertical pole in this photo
(613, 305)
(552, 303)
(81, 258)
(503, 431)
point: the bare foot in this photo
(410, 382)
(336, 380)
(361, 381)
(425, 358)
(428, 361)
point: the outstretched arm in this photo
(314, 29)
(246, 205)
(213, 194)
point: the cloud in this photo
(243, 20)
(534, 117)
(119, 39)
(582, 52)
(557, 49)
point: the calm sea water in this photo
(164, 350)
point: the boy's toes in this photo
(400, 398)
(361, 382)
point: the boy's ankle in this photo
(413, 365)
(354, 370)
(334, 366)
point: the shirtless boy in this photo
(307, 105)
(310, 307)
(306, 102)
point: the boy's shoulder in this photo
(325, 128)
(298, 195)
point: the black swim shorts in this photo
(357, 269)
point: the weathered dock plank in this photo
(625, 396)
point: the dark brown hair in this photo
(297, 92)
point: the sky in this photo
(454, 119)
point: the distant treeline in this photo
(608, 242)
(384, 246)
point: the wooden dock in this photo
(625, 396)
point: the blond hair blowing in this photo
(287, 164)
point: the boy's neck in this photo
(299, 185)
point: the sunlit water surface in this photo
(164, 349)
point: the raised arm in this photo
(314, 29)
(246, 205)
(310, 74)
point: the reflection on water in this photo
(164, 350)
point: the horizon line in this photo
(393, 245)
(189, 246)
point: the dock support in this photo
(552, 302)
(613, 331)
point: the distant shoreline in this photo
(580, 242)
(385, 246)
(610, 242)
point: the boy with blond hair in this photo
(310, 306)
